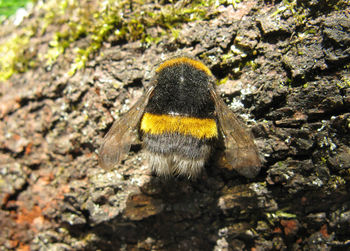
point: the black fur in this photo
(182, 89)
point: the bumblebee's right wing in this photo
(116, 144)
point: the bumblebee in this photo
(181, 119)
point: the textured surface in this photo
(287, 76)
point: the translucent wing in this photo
(116, 144)
(240, 153)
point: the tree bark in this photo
(286, 72)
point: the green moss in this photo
(231, 2)
(126, 21)
(280, 164)
(344, 83)
(337, 5)
(222, 81)
(13, 54)
(335, 182)
(90, 24)
(287, 83)
(276, 216)
(298, 12)
(285, 215)
(233, 53)
(252, 64)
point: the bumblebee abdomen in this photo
(175, 153)
(183, 146)
(177, 144)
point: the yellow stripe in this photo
(184, 60)
(195, 127)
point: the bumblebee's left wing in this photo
(116, 144)
(241, 153)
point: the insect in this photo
(180, 120)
